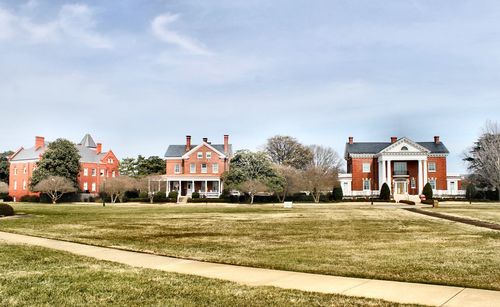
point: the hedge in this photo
(408, 202)
(6, 210)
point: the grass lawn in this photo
(479, 211)
(366, 242)
(34, 276)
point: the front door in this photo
(189, 189)
(401, 187)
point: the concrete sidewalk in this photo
(401, 292)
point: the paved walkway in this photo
(401, 292)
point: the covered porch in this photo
(210, 187)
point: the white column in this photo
(389, 175)
(192, 186)
(425, 173)
(382, 174)
(180, 189)
(206, 188)
(219, 187)
(420, 177)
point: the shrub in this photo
(7, 198)
(408, 202)
(160, 197)
(470, 192)
(385, 192)
(142, 195)
(195, 195)
(206, 200)
(337, 194)
(428, 202)
(173, 194)
(6, 210)
(29, 199)
(427, 191)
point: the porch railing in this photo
(209, 194)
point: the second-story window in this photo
(177, 169)
(208, 154)
(366, 167)
(94, 172)
(110, 161)
(204, 168)
(200, 155)
(215, 168)
(432, 166)
(192, 168)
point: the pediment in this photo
(405, 145)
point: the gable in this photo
(203, 147)
(405, 145)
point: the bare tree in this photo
(322, 173)
(117, 186)
(484, 157)
(287, 181)
(253, 187)
(4, 188)
(55, 187)
(286, 150)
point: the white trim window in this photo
(25, 170)
(110, 161)
(24, 185)
(177, 168)
(366, 167)
(94, 172)
(101, 172)
(85, 172)
(432, 166)
(85, 186)
(208, 155)
(366, 184)
(93, 186)
(113, 174)
(192, 168)
(433, 183)
(15, 185)
(200, 154)
(215, 168)
(15, 170)
(203, 168)
(413, 184)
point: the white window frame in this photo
(366, 181)
(102, 172)
(85, 172)
(177, 168)
(208, 155)
(215, 168)
(429, 167)
(199, 154)
(25, 170)
(413, 183)
(366, 167)
(433, 183)
(15, 170)
(93, 187)
(85, 186)
(15, 185)
(113, 174)
(204, 170)
(24, 185)
(192, 168)
(94, 172)
(110, 161)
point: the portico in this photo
(209, 187)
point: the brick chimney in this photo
(98, 149)
(351, 140)
(188, 142)
(226, 143)
(39, 141)
(394, 139)
(205, 140)
(436, 139)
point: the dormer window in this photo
(404, 148)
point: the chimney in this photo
(188, 142)
(39, 141)
(394, 139)
(436, 139)
(98, 149)
(351, 140)
(226, 144)
(205, 140)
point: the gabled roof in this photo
(177, 151)
(31, 153)
(376, 147)
(88, 141)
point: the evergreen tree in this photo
(427, 191)
(385, 192)
(4, 166)
(470, 192)
(61, 159)
(337, 194)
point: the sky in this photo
(140, 75)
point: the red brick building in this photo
(197, 168)
(96, 166)
(406, 166)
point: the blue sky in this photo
(139, 75)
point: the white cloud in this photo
(74, 23)
(160, 29)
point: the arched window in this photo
(404, 148)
